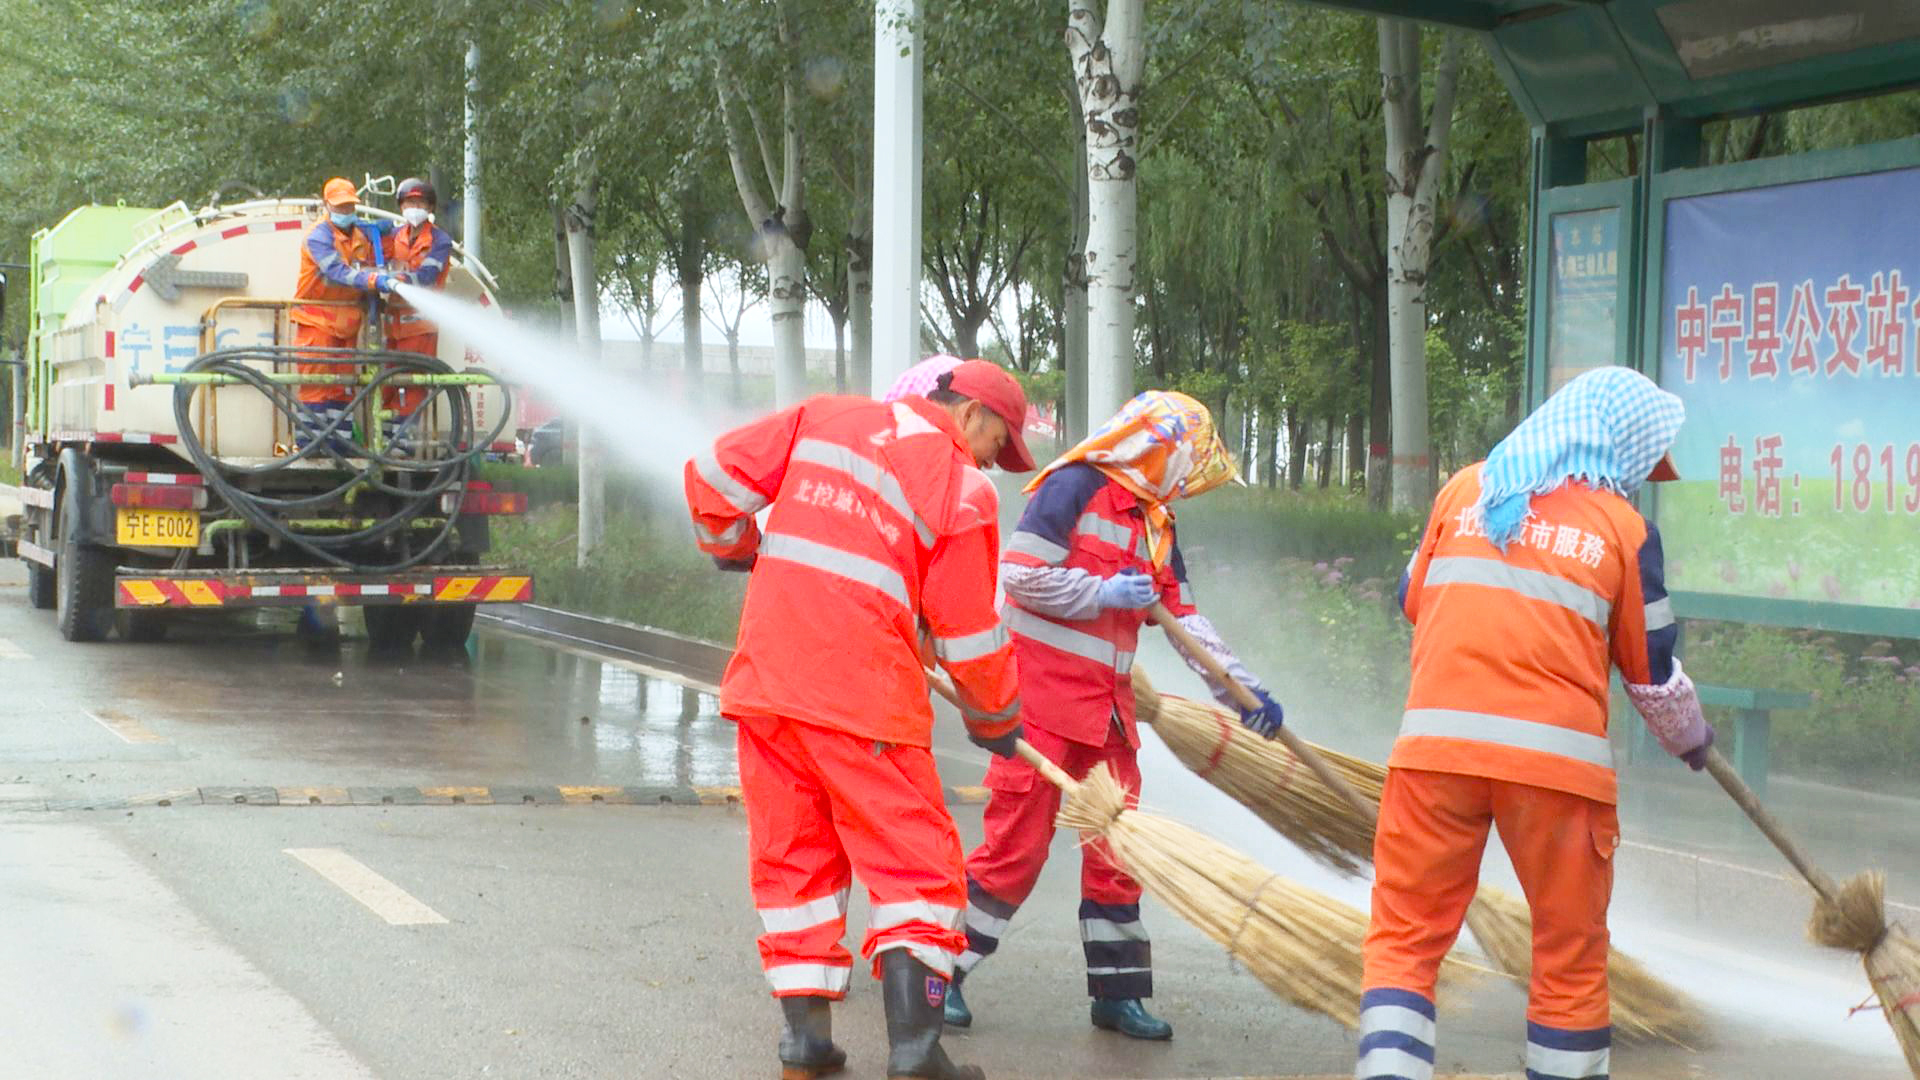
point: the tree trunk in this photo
(1073, 359)
(1296, 449)
(1380, 403)
(1356, 467)
(586, 305)
(966, 336)
(1416, 162)
(1108, 63)
(733, 367)
(840, 354)
(690, 268)
(787, 301)
(1326, 456)
(860, 305)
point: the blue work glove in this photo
(1131, 591)
(1266, 720)
(735, 566)
(1001, 746)
(383, 282)
(1696, 758)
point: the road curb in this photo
(428, 795)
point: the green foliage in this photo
(646, 572)
(1866, 694)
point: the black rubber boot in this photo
(916, 997)
(957, 1013)
(1129, 1017)
(806, 1047)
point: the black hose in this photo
(366, 468)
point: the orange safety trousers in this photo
(322, 395)
(824, 806)
(1426, 858)
(403, 400)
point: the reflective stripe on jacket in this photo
(423, 252)
(1511, 652)
(878, 528)
(334, 265)
(1075, 674)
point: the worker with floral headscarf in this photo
(1095, 548)
(1533, 578)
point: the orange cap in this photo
(339, 190)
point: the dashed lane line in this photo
(129, 729)
(380, 896)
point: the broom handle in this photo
(1055, 774)
(1723, 771)
(1317, 763)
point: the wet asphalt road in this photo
(335, 935)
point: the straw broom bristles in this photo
(1305, 946)
(1270, 780)
(1855, 919)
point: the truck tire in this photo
(41, 586)
(391, 628)
(448, 626)
(84, 610)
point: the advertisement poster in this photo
(1584, 291)
(1789, 318)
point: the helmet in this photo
(415, 188)
(339, 191)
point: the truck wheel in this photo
(448, 626)
(84, 596)
(40, 586)
(391, 627)
(143, 626)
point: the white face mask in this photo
(415, 215)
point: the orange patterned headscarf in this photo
(1161, 446)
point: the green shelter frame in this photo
(1585, 70)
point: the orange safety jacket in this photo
(879, 529)
(1511, 653)
(1076, 674)
(423, 253)
(334, 265)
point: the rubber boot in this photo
(1130, 1018)
(957, 1013)
(915, 997)
(806, 1047)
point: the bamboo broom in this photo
(1850, 916)
(1267, 778)
(1305, 946)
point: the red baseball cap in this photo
(993, 386)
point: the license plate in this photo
(157, 528)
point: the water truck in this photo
(162, 471)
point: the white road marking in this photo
(112, 974)
(10, 651)
(356, 879)
(127, 728)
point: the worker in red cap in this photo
(418, 253)
(336, 264)
(1095, 548)
(878, 556)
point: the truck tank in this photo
(164, 469)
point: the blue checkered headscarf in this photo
(1608, 428)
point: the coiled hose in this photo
(367, 469)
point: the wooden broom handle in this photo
(1723, 771)
(1247, 699)
(1055, 775)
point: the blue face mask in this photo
(345, 221)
